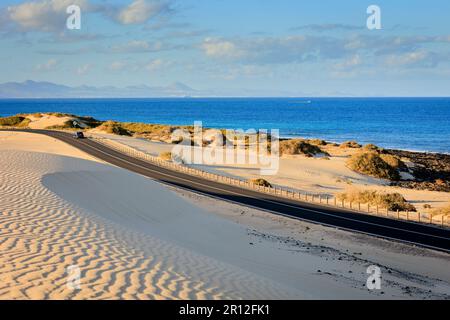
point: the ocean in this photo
(421, 124)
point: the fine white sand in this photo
(133, 238)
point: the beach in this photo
(135, 238)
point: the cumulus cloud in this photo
(221, 48)
(420, 58)
(266, 50)
(328, 27)
(84, 69)
(348, 52)
(157, 64)
(117, 66)
(140, 46)
(140, 11)
(44, 15)
(47, 66)
(50, 15)
(350, 63)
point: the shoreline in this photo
(433, 168)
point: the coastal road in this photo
(418, 234)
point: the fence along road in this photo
(415, 233)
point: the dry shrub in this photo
(391, 201)
(114, 128)
(298, 146)
(444, 211)
(317, 142)
(167, 156)
(350, 144)
(375, 165)
(261, 182)
(12, 121)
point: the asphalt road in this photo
(414, 233)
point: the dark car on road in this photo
(79, 135)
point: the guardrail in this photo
(282, 192)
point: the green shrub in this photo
(390, 201)
(372, 164)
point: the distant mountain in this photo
(34, 89)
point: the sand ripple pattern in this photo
(41, 234)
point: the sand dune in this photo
(133, 238)
(43, 233)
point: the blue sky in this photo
(230, 47)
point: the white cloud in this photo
(83, 69)
(140, 11)
(44, 15)
(420, 58)
(350, 63)
(47, 66)
(139, 46)
(343, 52)
(157, 64)
(280, 50)
(117, 66)
(50, 15)
(221, 48)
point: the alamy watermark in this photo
(73, 21)
(374, 280)
(227, 147)
(374, 19)
(73, 277)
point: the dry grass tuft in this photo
(298, 146)
(166, 156)
(444, 211)
(350, 144)
(261, 182)
(375, 165)
(14, 121)
(114, 128)
(391, 201)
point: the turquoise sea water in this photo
(405, 123)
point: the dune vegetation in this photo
(114, 127)
(371, 147)
(14, 121)
(444, 211)
(299, 146)
(317, 142)
(166, 156)
(350, 144)
(261, 182)
(391, 201)
(376, 165)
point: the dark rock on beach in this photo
(431, 170)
